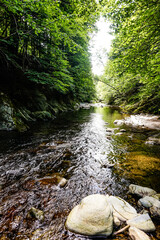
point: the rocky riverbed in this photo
(49, 169)
(97, 215)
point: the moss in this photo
(42, 115)
(20, 125)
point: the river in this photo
(86, 148)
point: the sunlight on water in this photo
(87, 149)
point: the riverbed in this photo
(86, 148)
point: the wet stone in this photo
(149, 201)
(93, 216)
(137, 234)
(53, 180)
(141, 191)
(142, 222)
(36, 213)
(122, 209)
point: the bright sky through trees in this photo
(100, 45)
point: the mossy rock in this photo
(20, 125)
(6, 113)
(42, 115)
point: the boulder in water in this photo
(142, 222)
(137, 234)
(148, 202)
(141, 191)
(122, 209)
(93, 216)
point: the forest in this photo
(45, 60)
(79, 152)
(132, 72)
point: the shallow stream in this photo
(87, 149)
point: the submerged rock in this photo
(123, 130)
(62, 182)
(119, 122)
(36, 213)
(153, 141)
(141, 121)
(122, 209)
(53, 180)
(142, 222)
(119, 134)
(141, 191)
(93, 216)
(137, 234)
(111, 130)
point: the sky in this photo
(100, 44)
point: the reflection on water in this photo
(77, 146)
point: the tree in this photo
(133, 64)
(46, 42)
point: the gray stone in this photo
(119, 134)
(137, 234)
(148, 202)
(141, 191)
(122, 209)
(119, 122)
(122, 130)
(157, 196)
(110, 130)
(93, 216)
(153, 141)
(142, 222)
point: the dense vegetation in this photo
(45, 60)
(45, 43)
(133, 68)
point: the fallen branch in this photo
(121, 230)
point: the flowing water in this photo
(87, 149)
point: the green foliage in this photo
(48, 41)
(133, 66)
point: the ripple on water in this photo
(75, 146)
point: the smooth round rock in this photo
(141, 191)
(142, 222)
(122, 209)
(93, 216)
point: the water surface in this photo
(86, 148)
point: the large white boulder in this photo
(141, 191)
(93, 216)
(137, 234)
(121, 209)
(142, 222)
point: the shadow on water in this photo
(85, 148)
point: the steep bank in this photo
(18, 112)
(44, 58)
